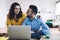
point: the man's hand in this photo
(32, 32)
(38, 31)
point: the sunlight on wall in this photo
(58, 8)
(58, 11)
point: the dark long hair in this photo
(12, 13)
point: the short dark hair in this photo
(34, 8)
(12, 13)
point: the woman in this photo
(15, 16)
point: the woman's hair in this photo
(12, 13)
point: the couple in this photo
(17, 17)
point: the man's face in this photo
(31, 13)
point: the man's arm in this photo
(44, 25)
(45, 28)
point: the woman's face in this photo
(17, 9)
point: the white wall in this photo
(48, 5)
(45, 6)
(3, 12)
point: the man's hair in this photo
(34, 8)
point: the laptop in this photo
(19, 32)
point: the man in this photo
(36, 23)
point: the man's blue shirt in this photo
(35, 24)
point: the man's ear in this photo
(27, 11)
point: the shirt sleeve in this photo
(8, 22)
(26, 22)
(44, 25)
(24, 15)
